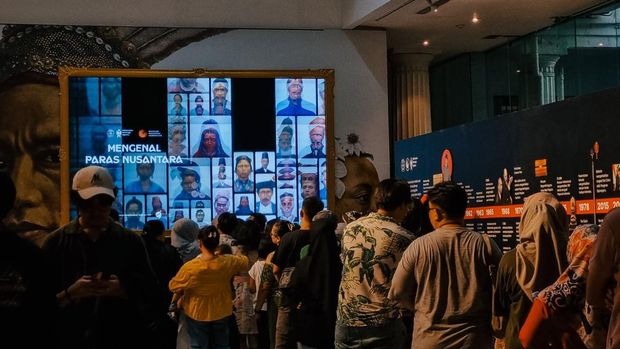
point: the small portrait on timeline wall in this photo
(615, 177)
(503, 193)
(446, 165)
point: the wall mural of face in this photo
(360, 179)
(29, 106)
(29, 153)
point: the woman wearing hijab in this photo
(536, 262)
(183, 238)
(557, 311)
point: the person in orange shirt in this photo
(204, 284)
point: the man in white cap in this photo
(100, 270)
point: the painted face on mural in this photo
(29, 152)
(360, 186)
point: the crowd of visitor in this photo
(410, 274)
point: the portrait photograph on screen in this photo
(308, 181)
(182, 145)
(178, 108)
(285, 137)
(265, 198)
(244, 172)
(134, 216)
(188, 85)
(295, 97)
(202, 216)
(177, 213)
(244, 204)
(221, 173)
(177, 140)
(321, 97)
(311, 137)
(265, 162)
(222, 201)
(157, 208)
(86, 91)
(144, 178)
(323, 184)
(287, 205)
(210, 138)
(111, 97)
(188, 184)
(221, 103)
(94, 135)
(199, 104)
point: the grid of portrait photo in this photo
(209, 176)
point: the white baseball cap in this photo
(93, 180)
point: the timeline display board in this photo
(570, 149)
(183, 144)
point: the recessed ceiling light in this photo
(425, 42)
(475, 18)
(518, 71)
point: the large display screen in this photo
(195, 147)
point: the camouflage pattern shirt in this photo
(371, 249)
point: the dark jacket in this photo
(101, 322)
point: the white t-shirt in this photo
(255, 273)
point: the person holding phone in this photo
(102, 279)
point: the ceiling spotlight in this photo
(425, 42)
(600, 44)
(431, 6)
(475, 18)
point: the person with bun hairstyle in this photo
(204, 283)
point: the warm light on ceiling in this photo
(425, 42)
(475, 18)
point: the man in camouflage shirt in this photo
(371, 249)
